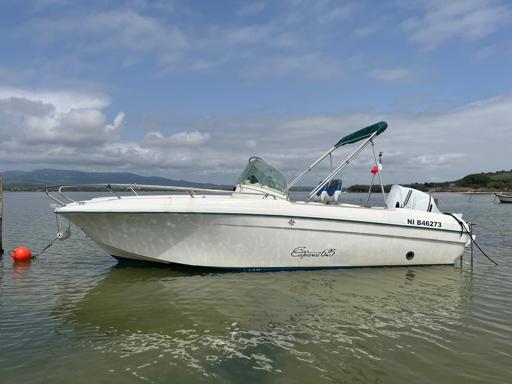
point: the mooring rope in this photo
(44, 249)
(464, 229)
(59, 236)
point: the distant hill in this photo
(37, 179)
(477, 182)
(499, 180)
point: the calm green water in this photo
(74, 315)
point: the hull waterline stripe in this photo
(270, 269)
(255, 214)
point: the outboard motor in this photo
(409, 198)
(330, 193)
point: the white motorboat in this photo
(257, 226)
(503, 197)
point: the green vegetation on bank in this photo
(475, 182)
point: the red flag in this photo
(375, 169)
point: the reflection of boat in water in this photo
(228, 323)
(257, 226)
(503, 197)
(156, 300)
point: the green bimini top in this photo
(363, 133)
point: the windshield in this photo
(263, 175)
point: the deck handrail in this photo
(131, 187)
(138, 187)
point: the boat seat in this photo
(330, 193)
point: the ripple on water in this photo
(311, 320)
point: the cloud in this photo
(298, 38)
(133, 31)
(294, 36)
(118, 29)
(319, 11)
(468, 20)
(417, 147)
(19, 106)
(62, 100)
(391, 74)
(186, 138)
(78, 127)
(56, 117)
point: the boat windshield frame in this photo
(260, 174)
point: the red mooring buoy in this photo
(21, 254)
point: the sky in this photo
(191, 89)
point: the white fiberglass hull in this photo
(249, 233)
(504, 198)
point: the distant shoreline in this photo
(37, 180)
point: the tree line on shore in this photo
(483, 182)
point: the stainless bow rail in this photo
(122, 187)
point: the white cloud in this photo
(62, 100)
(118, 29)
(186, 138)
(190, 138)
(319, 11)
(117, 123)
(56, 117)
(390, 74)
(78, 127)
(19, 106)
(468, 20)
(133, 31)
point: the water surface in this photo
(74, 315)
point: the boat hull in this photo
(504, 198)
(265, 241)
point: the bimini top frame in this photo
(367, 134)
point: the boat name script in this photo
(302, 252)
